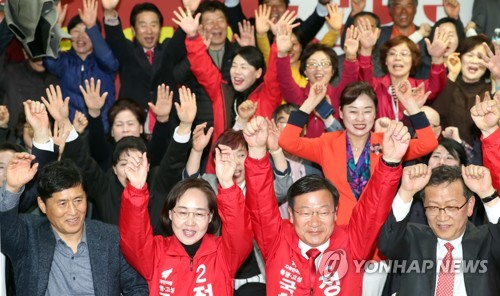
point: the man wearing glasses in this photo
(451, 255)
(309, 254)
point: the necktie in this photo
(312, 254)
(446, 276)
(149, 55)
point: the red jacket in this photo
(287, 271)
(267, 95)
(164, 263)
(491, 156)
(435, 83)
(293, 93)
(329, 151)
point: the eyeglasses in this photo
(450, 211)
(403, 53)
(315, 65)
(307, 214)
(198, 215)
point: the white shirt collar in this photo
(304, 248)
(456, 242)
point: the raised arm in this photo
(393, 241)
(260, 198)
(437, 76)
(14, 235)
(373, 207)
(136, 235)
(290, 139)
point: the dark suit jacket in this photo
(409, 241)
(139, 79)
(29, 242)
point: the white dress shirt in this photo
(322, 248)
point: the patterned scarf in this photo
(358, 174)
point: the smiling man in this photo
(299, 253)
(62, 253)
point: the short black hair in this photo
(287, 108)
(144, 7)
(454, 148)
(311, 183)
(458, 27)
(211, 6)
(74, 21)
(123, 104)
(367, 13)
(287, 2)
(8, 146)
(175, 194)
(352, 92)
(58, 176)
(446, 174)
(311, 49)
(391, 3)
(128, 143)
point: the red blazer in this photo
(267, 95)
(164, 263)
(287, 271)
(435, 83)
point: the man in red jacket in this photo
(310, 254)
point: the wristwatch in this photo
(490, 198)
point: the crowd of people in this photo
(266, 165)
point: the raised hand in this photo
(186, 110)
(60, 135)
(486, 114)
(335, 16)
(438, 46)
(404, 94)
(382, 124)
(451, 132)
(256, 132)
(478, 179)
(454, 65)
(89, 13)
(20, 171)
(185, 20)
(288, 18)
(367, 37)
(316, 93)
(246, 110)
(262, 19)
(80, 122)
(247, 36)
(470, 26)
(137, 168)
(284, 42)
(37, 117)
(57, 107)
(395, 142)
(163, 104)
(225, 165)
(200, 139)
(4, 116)
(491, 60)
(191, 5)
(92, 96)
(109, 4)
(452, 8)
(273, 137)
(425, 29)
(420, 95)
(414, 179)
(351, 43)
(61, 13)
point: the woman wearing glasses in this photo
(401, 59)
(192, 260)
(319, 64)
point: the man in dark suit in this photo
(451, 256)
(144, 62)
(62, 253)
